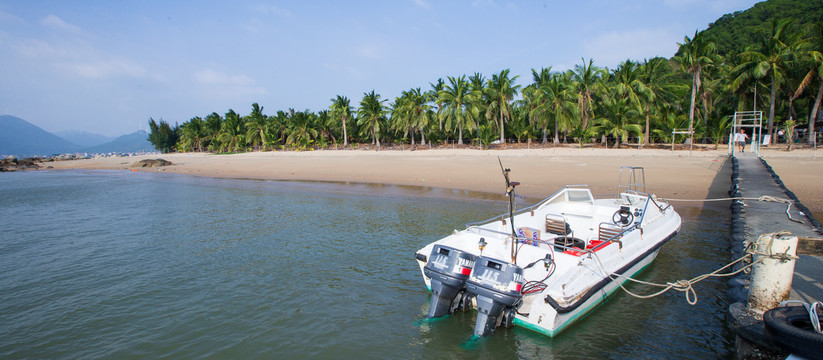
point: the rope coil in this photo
(812, 309)
(685, 286)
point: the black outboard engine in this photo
(497, 286)
(448, 268)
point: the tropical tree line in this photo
(695, 92)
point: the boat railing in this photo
(482, 229)
(651, 198)
(528, 209)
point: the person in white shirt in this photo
(740, 139)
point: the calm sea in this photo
(113, 264)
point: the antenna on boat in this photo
(510, 185)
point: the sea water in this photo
(115, 264)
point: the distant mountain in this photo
(83, 138)
(134, 142)
(20, 138)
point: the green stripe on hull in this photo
(581, 314)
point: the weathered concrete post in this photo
(771, 281)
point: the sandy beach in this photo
(680, 174)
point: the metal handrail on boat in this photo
(527, 209)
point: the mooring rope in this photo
(812, 309)
(685, 286)
(764, 198)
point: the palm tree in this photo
(617, 119)
(534, 99)
(626, 81)
(401, 119)
(232, 133)
(256, 126)
(501, 90)
(434, 96)
(668, 120)
(586, 78)
(372, 113)
(341, 109)
(192, 134)
(815, 56)
(211, 127)
(459, 108)
(696, 54)
(477, 86)
(325, 127)
(412, 112)
(718, 130)
(655, 76)
(771, 58)
(277, 129)
(302, 130)
(556, 99)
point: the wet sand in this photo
(680, 174)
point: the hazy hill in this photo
(134, 142)
(19, 137)
(733, 32)
(83, 138)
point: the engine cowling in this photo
(448, 268)
(497, 286)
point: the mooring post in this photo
(773, 256)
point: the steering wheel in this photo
(623, 217)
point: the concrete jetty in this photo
(778, 210)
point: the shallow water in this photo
(111, 264)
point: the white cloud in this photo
(271, 9)
(483, 3)
(56, 23)
(10, 18)
(76, 58)
(213, 77)
(222, 85)
(421, 3)
(369, 51)
(609, 49)
(101, 69)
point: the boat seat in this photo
(609, 232)
(557, 225)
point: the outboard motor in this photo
(448, 268)
(497, 286)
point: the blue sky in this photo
(107, 66)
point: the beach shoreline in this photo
(688, 175)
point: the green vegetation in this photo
(757, 59)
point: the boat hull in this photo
(562, 320)
(567, 281)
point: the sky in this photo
(106, 67)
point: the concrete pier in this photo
(754, 178)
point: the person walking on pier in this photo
(740, 139)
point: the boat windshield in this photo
(574, 196)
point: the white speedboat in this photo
(546, 266)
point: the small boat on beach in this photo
(546, 266)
